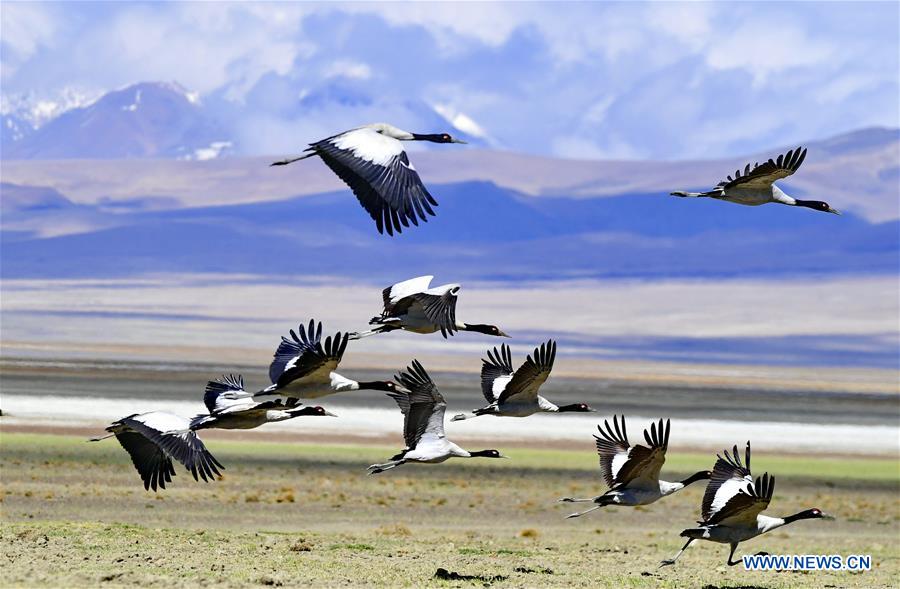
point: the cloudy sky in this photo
(610, 80)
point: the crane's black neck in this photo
(308, 411)
(576, 408)
(434, 138)
(378, 385)
(485, 454)
(817, 205)
(481, 328)
(805, 514)
(697, 476)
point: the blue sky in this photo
(590, 80)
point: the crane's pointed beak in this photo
(835, 211)
(504, 334)
(827, 516)
(329, 414)
(459, 141)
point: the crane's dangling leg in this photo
(354, 335)
(671, 561)
(580, 513)
(377, 468)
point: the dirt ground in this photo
(75, 514)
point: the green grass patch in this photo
(62, 448)
(493, 551)
(356, 547)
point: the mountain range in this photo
(164, 120)
(482, 231)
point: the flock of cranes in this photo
(372, 162)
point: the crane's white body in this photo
(378, 143)
(434, 449)
(516, 407)
(244, 418)
(312, 386)
(639, 495)
(755, 197)
(735, 532)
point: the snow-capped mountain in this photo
(143, 120)
(163, 120)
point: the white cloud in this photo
(691, 23)
(461, 121)
(581, 148)
(214, 150)
(345, 68)
(767, 47)
(26, 26)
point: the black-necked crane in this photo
(154, 439)
(413, 305)
(372, 162)
(232, 407)
(756, 186)
(515, 394)
(423, 410)
(304, 366)
(632, 472)
(732, 506)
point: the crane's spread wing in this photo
(731, 493)
(747, 503)
(622, 463)
(529, 377)
(496, 372)
(765, 174)
(306, 356)
(377, 170)
(170, 434)
(395, 293)
(150, 461)
(440, 307)
(226, 394)
(423, 407)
